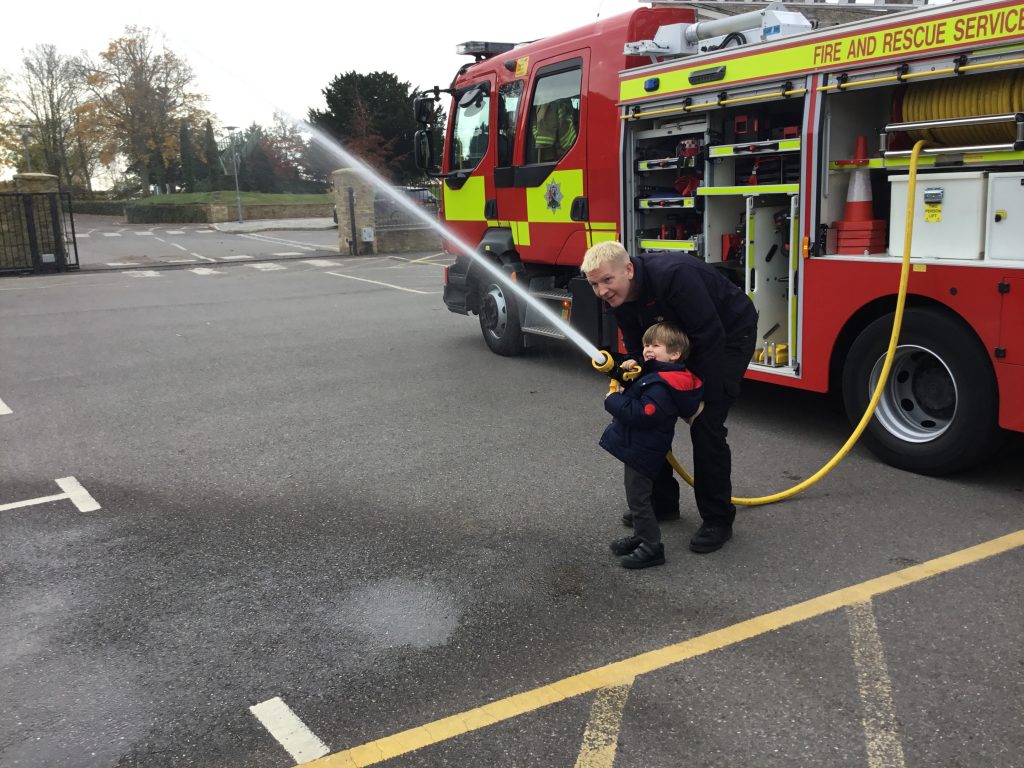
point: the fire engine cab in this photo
(778, 152)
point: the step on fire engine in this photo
(779, 153)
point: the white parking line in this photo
(291, 733)
(73, 491)
(144, 234)
(287, 253)
(180, 261)
(179, 247)
(4, 410)
(285, 241)
(199, 256)
(122, 263)
(78, 495)
(321, 263)
(111, 234)
(235, 258)
(206, 231)
(266, 266)
(206, 271)
(175, 232)
(378, 282)
(141, 273)
(80, 235)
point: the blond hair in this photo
(610, 251)
(670, 336)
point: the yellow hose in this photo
(901, 301)
(996, 93)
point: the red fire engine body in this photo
(779, 153)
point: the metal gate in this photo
(34, 232)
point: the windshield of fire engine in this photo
(470, 129)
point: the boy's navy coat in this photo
(645, 415)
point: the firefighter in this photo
(721, 322)
(554, 130)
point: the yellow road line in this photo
(601, 736)
(621, 672)
(428, 259)
(880, 724)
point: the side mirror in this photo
(423, 151)
(423, 108)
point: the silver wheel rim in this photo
(919, 401)
(498, 319)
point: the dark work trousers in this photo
(665, 496)
(638, 498)
(712, 459)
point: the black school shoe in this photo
(625, 545)
(644, 556)
(708, 538)
(661, 517)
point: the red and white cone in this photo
(859, 233)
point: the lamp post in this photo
(25, 136)
(234, 165)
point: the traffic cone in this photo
(858, 233)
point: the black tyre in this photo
(499, 320)
(938, 413)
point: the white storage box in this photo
(949, 215)
(1004, 234)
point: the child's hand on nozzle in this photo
(614, 387)
(695, 415)
(628, 365)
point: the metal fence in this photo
(389, 214)
(37, 232)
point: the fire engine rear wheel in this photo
(938, 410)
(499, 320)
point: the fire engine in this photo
(778, 152)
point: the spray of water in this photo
(346, 158)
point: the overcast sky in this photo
(253, 58)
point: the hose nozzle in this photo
(607, 366)
(618, 375)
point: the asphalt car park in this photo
(327, 524)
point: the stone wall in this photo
(363, 194)
(369, 237)
(404, 240)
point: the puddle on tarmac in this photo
(400, 612)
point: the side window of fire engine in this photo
(554, 114)
(470, 128)
(509, 96)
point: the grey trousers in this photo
(638, 497)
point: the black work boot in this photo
(710, 537)
(644, 556)
(625, 545)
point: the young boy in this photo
(641, 432)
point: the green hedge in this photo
(166, 214)
(97, 207)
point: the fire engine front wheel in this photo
(938, 410)
(499, 320)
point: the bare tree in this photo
(140, 94)
(48, 94)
